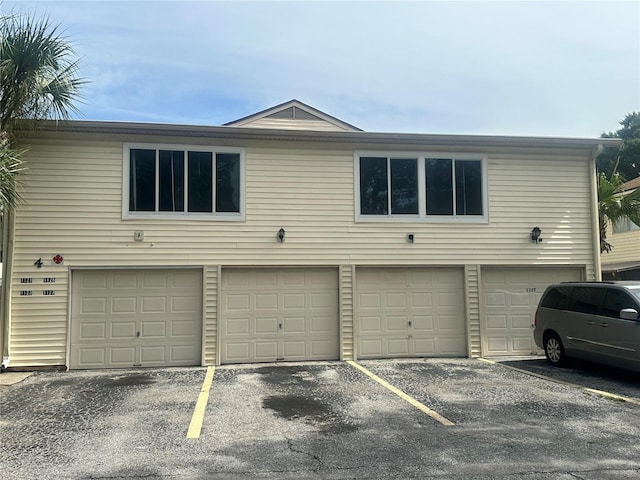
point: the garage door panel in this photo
(398, 347)
(123, 330)
(371, 325)
(397, 323)
(418, 305)
(450, 323)
(323, 300)
(292, 314)
(156, 321)
(153, 329)
(449, 299)
(93, 331)
(450, 345)
(123, 280)
(369, 301)
(236, 326)
(322, 325)
(396, 300)
(265, 351)
(425, 346)
(124, 305)
(293, 301)
(294, 349)
(371, 348)
(294, 325)
(422, 299)
(498, 322)
(265, 325)
(237, 302)
(153, 279)
(237, 350)
(266, 301)
(422, 323)
(509, 297)
(93, 305)
(154, 304)
(186, 328)
(185, 304)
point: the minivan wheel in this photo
(554, 350)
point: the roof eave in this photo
(359, 137)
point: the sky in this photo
(533, 68)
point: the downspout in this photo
(595, 224)
(8, 227)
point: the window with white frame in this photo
(433, 187)
(187, 181)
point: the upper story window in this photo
(424, 187)
(183, 181)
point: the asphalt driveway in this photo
(324, 420)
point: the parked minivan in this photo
(596, 321)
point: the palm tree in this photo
(38, 80)
(614, 205)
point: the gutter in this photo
(312, 136)
(595, 224)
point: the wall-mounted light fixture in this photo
(410, 238)
(535, 235)
(281, 235)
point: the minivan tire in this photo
(554, 350)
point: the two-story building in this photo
(288, 235)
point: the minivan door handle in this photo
(604, 324)
(591, 322)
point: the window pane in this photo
(171, 181)
(557, 298)
(468, 187)
(373, 186)
(227, 182)
(616, 300)
(404, 186)
(439, 186)
(200, 189)
(586, 299)
(142, 180)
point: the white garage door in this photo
(270, 315)
(509, 300)
(126, 318)
(410, 312)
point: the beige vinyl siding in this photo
(74, 207)
(472, 295)
(39, 327)
(626, 247)
(210, 330)
(346, 312)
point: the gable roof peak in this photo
(293, 115)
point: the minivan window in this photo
(616, 300)
(586, 300)
(557, 298)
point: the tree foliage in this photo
(627, 155)
(38, 80)
(614, 205)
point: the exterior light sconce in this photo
(410, 238)
(535, 235)
(281, 235)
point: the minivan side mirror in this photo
(629, 314)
